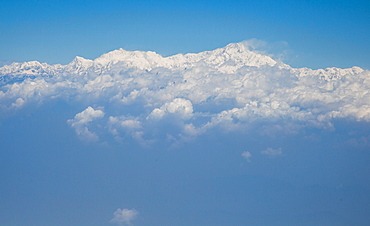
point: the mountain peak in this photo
(139, 59)
(79, 65)
(240, 55)
(239, 47)
(81, 61)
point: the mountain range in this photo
(226, 60)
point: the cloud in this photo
(279, 50)
(179, 107)
(18, 103)
(270, 152)
(121, 126)
(128, 124)
(247, 155)
(147, 96)
(81, 121)
(124, 216)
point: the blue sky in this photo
(315, 34)
(185, 141)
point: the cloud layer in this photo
(138, 95)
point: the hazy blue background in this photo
(318, 34)
(50, 177)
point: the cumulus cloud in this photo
(128, 124)
(270, 152)
(124, 216)
(179, 107)
(230, 88)
(18, 103)
(121, 126)
(81, 121)
(247, 156)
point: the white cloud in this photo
(18, 103)
(124, 216)
(81, 121)
(270, 152)
(86, 116)
(247, 155)
(180, 107)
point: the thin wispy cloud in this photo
(247, 156)
(124, 217)
(270, 152)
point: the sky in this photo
(227, 137)
(314, 34)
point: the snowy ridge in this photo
(138, 59)
(226, 60)
(20, 71)
(235, 54)
(332, 73)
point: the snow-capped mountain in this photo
(232, 56)
(31, 69)
(225, 60)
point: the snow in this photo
(226, 60)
